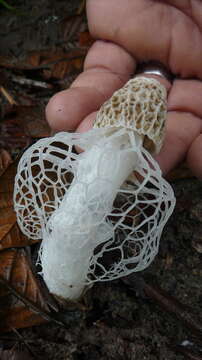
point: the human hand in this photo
(167, 31)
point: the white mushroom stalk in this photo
(99, 213)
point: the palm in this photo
(168, 31)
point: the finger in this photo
(186, 96)
(107, 67)
(181, 129)
(194, 157)
(184, 123)
(87, 123)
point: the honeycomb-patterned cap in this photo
(140, 105)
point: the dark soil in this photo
(36, 25)
(119, 320)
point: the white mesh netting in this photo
(140, 209)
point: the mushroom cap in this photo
(139, 105)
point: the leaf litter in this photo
(116, 321)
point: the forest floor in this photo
(153, 315)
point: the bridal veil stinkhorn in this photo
(99, 213)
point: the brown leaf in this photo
(10, 234)
(34, 58)
(24, 305)
(9, 62)
(5, 160)
(32, 120)
(24, 122)
(7, 179)
(13, 137)
(60, 64)
(59, 70)
(85, 39)
(71, 26)
(42, 59)
(22, 301)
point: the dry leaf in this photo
(22, 301)
(60, 64)
(32, 120)
(43, 59)
(71, 26)
(24, 304)
(11, 62)
(10, 234)
(85, 39)
(5, 160)
(13, 137)
(25, 122)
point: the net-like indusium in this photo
(118, 231)
(101, 212)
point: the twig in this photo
(20, 337)
(81, 7)
(31, 305)
(175, 307)
(8, 97)
(72, 28)
(189, 354)
(29, 82)
(63, 58)
(168, 303)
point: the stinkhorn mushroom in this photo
(100, 213)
